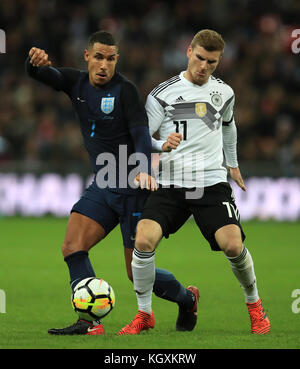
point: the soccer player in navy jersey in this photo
(114, 125)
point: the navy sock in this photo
(167, 287)
(79, 266)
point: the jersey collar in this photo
(189, 83)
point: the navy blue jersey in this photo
(112, 118)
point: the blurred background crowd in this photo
(38, 129)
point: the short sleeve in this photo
(228, 113)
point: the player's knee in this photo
(69, 247)
(148, 235)
(232, 247)
(143, 243)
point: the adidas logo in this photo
(179, 99)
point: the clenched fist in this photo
(39, 57)
(172, 142)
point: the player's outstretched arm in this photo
(38, 66)
(142, 144)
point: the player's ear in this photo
(86, 55)
(189, 51)
(219, 59)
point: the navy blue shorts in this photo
(111, 208)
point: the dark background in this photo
(38, 130)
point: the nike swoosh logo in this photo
(81, 100)
(92, 329)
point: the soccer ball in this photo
(93, 298)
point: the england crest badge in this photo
(107, 104)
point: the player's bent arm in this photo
(172, 142)
(142, 144)
(137, 119)
(155, 114)
(157, 145)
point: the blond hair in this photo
(209, 39)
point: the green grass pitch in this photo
(36, 283)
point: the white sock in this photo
(243, 268)
(143, 271)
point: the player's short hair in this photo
(103, 37)
(209, 39)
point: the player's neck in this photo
(187, 75)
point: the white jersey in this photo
(197, 112)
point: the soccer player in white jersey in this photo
(193, 114)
